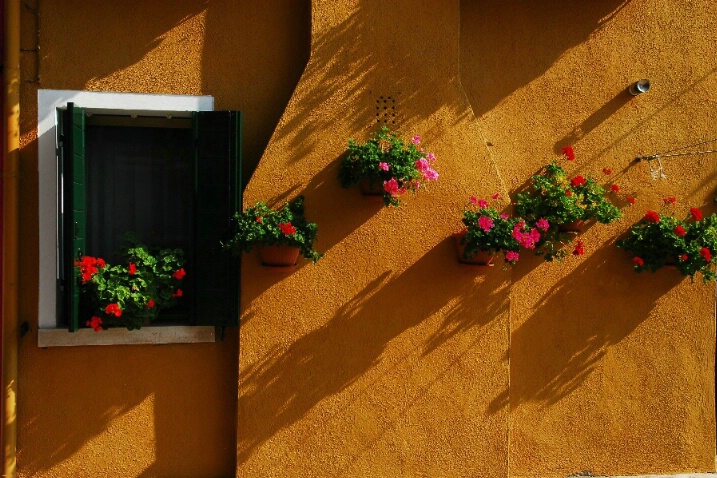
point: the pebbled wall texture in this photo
(387, 358)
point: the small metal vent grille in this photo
(386, 110)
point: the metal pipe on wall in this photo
(10, 176)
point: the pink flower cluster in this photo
(485, 223)
(528, 238)
(424, 166)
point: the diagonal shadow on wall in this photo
(286, 383)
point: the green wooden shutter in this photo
(217, 196)
(73, 217)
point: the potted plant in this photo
(660, 239)
(388, 166)
(565, 204)
(280, 235)
(132, 293)
(487, 232)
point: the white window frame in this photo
(48, 242)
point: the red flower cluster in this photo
(150, 303)
(287, 228)
(684, 257)
(259, 220)
(631, 200)
(88, 267)
(696, 214)
(680, 231)
(179, 274)
(568, 192)
(95, 322)
(577, 181)
(569, 152)
(615, 188)
(113, 309)
(607, 171)
(638, 261)
(579, 248)
(706, 254)
(132, 269)
(670, 200)
(652, 216)
(178, 293)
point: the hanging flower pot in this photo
(280, 235)
(371, 187)
(278, 256)
(575, 226)
(480, 258)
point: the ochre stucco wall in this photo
(388, 359)
(141, 411)
(610, 371)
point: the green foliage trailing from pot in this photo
(133, 292)
(488, 230)
(558, 200)
(388, 164)
(660, 239)
(261, 225)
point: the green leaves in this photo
(146, 283)
(263, 226)
(661, 239)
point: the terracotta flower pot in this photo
(481, 258)
(371, 187)
(575, 226)
(278, 256)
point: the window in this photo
(142, 163)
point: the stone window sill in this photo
(151, 335)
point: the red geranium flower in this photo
(684, 257)
(88, 267)
(680, 231)
(652, 216)
(568, 192)
(696, 214)
(150, 303)
(615, 188)
(101, 263)
(569, 152)
(577, 181)
(579, 248)
(706, 254)
(178, 293)
(259, 219)
(638, 261)
(132, 269)
(607, 171)
(95, 322)
(179, 274)
(631, 200)
(287, 228)
(113, 309)
(670, 200)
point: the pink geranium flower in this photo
(511, 256)
(383, 166)
(485, 223)
(542, 224)
(391, 186)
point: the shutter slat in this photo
(217, 195)
(74, 220)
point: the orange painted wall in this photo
(140, 411)
(386, 358)
(610, 371)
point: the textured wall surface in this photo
(139, 411)
(610, 371)
(388, 359)
(383, 358)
